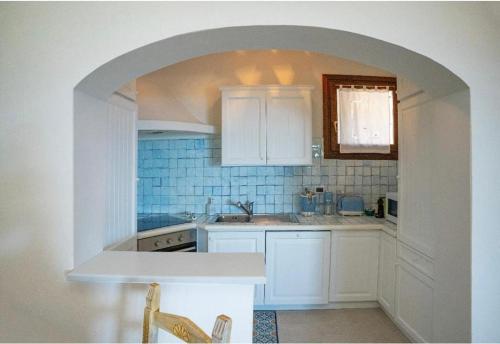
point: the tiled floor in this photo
(337, 325)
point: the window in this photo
(360, 118)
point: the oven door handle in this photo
(186, 249)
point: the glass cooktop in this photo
(146, 222)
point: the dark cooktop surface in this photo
(147, 222)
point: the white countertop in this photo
(172, 267)
(315, 222)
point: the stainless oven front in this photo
(180, 241)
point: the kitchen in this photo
(54, 148)
(203, 176)
(248, 169)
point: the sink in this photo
(260, 219)
(233, 218)
(275, 219)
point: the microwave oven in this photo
(391, 207)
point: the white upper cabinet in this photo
(266, 125)
(289, 120)
(243, 126)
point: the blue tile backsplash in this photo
(178, 175)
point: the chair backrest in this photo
(181, 327)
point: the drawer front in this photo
(416, 259)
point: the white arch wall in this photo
(427, 74)
(48, 48)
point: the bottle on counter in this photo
(209, 207)
(320, 205)
(328, 197)
(380, 208)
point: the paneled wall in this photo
(177, 175)
(120, 174)
(105, 158)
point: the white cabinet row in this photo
(266, 125)
(318, 267)
(309, 267)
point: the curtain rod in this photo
(365, 86)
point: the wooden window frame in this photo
(331, 82)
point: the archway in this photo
(436, 80)
(427, 74)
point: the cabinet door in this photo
(354, 266)
(243, 127)
(416, 165)
(289, 127)
(387, 273)
(297, 267)
(414, 297)
(239, 242)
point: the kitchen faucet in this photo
(247, 207)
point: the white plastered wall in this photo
(48, 48)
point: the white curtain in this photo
(364, 120)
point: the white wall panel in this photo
(105, 169)
(120, 170)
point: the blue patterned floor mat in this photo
(265, 327)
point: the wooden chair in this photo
(181, 327)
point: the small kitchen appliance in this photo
(350, 205)
(308, 202)
(391, 207)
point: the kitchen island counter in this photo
(171, 267)
(200, 286)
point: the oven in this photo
(178, 241)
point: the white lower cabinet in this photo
(297, 267)
(387, 273)
(414, 302)
(238, 242)
(354, 266)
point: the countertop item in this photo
(308, 202)
(350, 205)
(167, 267)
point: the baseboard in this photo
(409, 334)
(332, 305)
